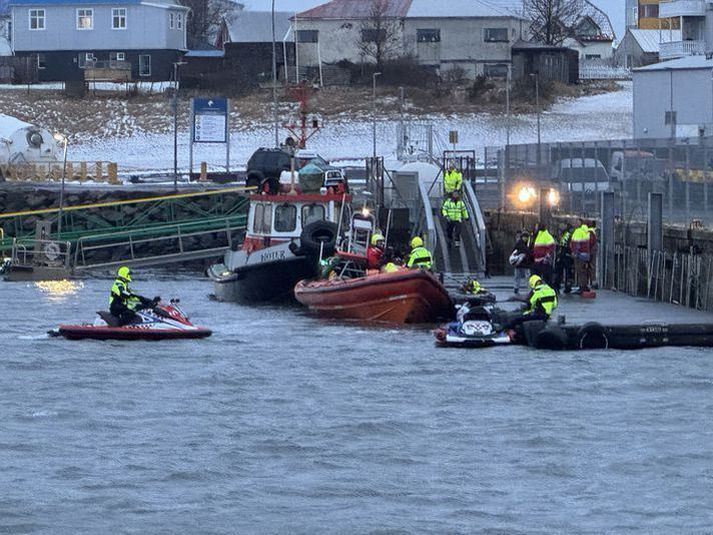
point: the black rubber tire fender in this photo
(592, 335)
(254, 179)
(531, 329)
(552, 338)
(319, 235)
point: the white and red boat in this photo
(161, 322)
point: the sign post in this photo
(210, 123)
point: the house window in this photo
(495, 70)
(85, 19)
(144, 65)
(307, 36)
(37, 19)
(428, 36)
(117, 56)
(171, 21)
(87, 60)
(371, 35)
(496, 35)
(670, 117)
(118, 18)
(592, 56)
(650, 11)
(179, 21)
(41, 61)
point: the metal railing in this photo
(678, 49)
(47, 253)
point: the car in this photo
(265, 167)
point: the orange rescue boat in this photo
(404, 296)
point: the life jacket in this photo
(565, 239)
(580, 242)
(454, 210)
(543, 299)
(420, 258)
(453, 181)
(390, 267)
(373, 257)
(120, 291)
(544, 248)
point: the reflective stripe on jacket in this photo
(543, 299)
(420, 258)
(454, 210)
(453, 181)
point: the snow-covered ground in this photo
(599, 117)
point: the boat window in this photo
(257, 221)
(312, 213)
(267, 219)
(285, 218)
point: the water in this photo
(281, 423)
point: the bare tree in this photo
(379, 34)
(552, 19)
(205, 16)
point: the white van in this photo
(582, 175)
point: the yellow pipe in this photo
(133, 201)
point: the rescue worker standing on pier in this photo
(564, 262)
(420, 257)
(581, 252)
(543, 253)
(452, 180)
(455, 212)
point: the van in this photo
(582, 175)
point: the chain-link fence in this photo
(517, 176)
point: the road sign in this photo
(453, 137)
(210, 120)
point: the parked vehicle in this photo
(265, 167)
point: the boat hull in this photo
(90, 332)
(413, 296)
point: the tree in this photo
(379, 34)
(205, 17)
(552, 19)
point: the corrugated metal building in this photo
(639, 48)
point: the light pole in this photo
(62, 139)
(508, 82)
(176, 64)
(536, 77)
(274, 79)
(373, 112)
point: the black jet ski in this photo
(158, 322)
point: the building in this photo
(134, 39)
(696, 34)
(631, 16)
(591, 33)
(549, 63)
(639, 48)
(673, 98)
(649, 16)
(468, 35)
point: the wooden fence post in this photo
(112, 170)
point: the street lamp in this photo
(176, 64)
(373, 111)
(61, 139)
(536, 77)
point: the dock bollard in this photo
(112, 170)
(204, 172)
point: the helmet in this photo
(416, 242)
(471, 286)
(124, 273)
(535, 281)
(376, 238)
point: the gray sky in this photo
(613, 8)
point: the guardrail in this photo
(41, 253)
(477, 223)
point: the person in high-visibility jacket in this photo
(565, 262)
(123, 303)
(541, 303)
(455, 212)
(420, 256)
(580, 244)
(375, 252)
(452, 180)
(543, 253)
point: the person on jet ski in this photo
(123, 303)
(541, 303)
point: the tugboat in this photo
(287, 234)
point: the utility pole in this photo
(176, 64)
(274, 80)
(373, 112)
(62, 139)
(536, 77)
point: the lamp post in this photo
(274, 80)
(536, 77)
(61, 139)
(176, 64)
(373, 112)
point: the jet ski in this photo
(478, 324)
(160, 321)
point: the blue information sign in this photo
(210, 120)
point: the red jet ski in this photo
(160, 322)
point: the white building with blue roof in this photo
(65, 37)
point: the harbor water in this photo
(283, 423)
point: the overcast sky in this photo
(613, 8)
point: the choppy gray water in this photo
(281, 423)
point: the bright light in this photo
(553, 197)
(526, 195)
(365, 212)
(56, 290)
(59, 137)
